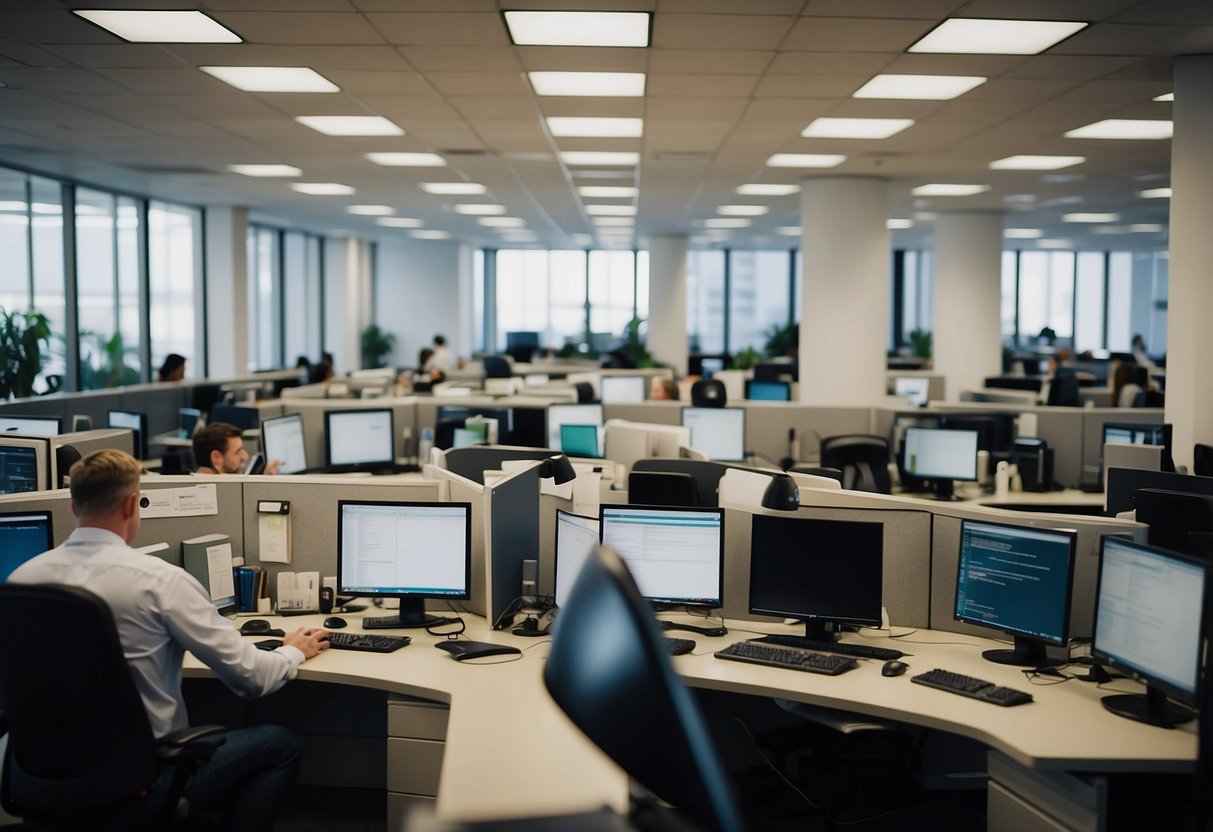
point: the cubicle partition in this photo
(58, 503)
(462, 490)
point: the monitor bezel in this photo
(741, 410)
(709, 603)
(32, 419)
(561, 514)
(1072, 557)
(296, 417)
(362, 465)
(938, 477)
(243, 422)
(41, 446)
(141, 437)
(46, 516)
(547, 420)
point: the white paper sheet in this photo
(219, 570)
(188, 501)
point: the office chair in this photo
(496, 366)
(1202, 460)
(611, 674)
(80, 753)
(818, 471)
(585, 392)
(708, 392)
(1063, 390)
(863, 460)
(706, 473)
(662, 488)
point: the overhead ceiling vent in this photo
(466, 152)
(174, 170)
(680, 156)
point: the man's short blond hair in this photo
(102, 480)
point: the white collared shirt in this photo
(160, 611)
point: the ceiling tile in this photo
(829, 63)
(1118, 39)
(1068, 67)
(56, 80)
(1113, 91)
(340, 56)
(604, 59)
(796, 86)
(719, 31)
(300, 27)
(839, 34)
(768, 7)
(356, 82)
(436, 29)
(740, 61)
(468, 59)
(714, 86)
(51, 26)
(479, 83)
(989, 66)
(661, 110)
(929, 9)
(168, 81)
(114, 55)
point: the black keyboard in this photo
(368, 643)
(790, 657)
(970, 686)
(862, 651)
(679, 646)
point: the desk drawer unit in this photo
(416, 740)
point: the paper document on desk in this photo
(298, 591)
(189, 501)
(222, 582)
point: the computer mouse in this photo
(255, 627)
(893, 668)
(333, 623)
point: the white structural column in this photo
(667, 326)
(844, 315)
(227, 335)
(967, 340)
(347, 290)
(1190, 305)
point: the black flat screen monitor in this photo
(759, 390)
(282, 439)
(134, 421)
(826, 572)
(521, 338)
(450, 418)
(622, 389)
(675, 554)
(31, 425)
(358, 440)
(190, 419)
(1130, 434)
(580, 440)
(409, 551)
(1149, 622)
(245, 418)
(1017, 580)
(1178, 521)
(1124, 483)
(576, 537)
(941, 456)
(717, 431)
(571, 414)
(23, 535)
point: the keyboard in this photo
(862, 651)
(679, 646)
(790, 657)
(367, 643)
(970, 686)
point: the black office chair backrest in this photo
(610, 671)
(708, 392)
(707, 474)
(1202, 460)
(496, 366)
(1063, 390)
(863, 460)
(585, 392)
(662, 488)
(471, 463)
(178, 461)
(818, 471)
(79, 737)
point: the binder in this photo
(209, 559)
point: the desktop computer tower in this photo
(1034, 458)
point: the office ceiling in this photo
(729, 83)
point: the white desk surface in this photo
(511, 752)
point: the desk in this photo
(510, 752)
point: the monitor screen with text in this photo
(420, 549)
(675, 555)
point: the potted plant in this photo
(920, 343)
(376, 345)
(22, 337)
(105, 364)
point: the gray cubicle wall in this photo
(172, 530)
(907, 548)
(58, 503)
(404, 423)
(655, 413)
(1093, 420)
(461, 490)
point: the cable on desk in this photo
(451, 634)
(885, 633)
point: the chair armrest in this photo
(196, 743)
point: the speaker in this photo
(1034, 458)
(326, 599)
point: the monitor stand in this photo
(412, 615)
(818, 629)
(1150, 707)
(944, 490)
(1028, 652)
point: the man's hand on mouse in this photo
(309, 640)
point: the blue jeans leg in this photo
(247, 778)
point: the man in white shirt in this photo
(161, 611)
(443, 360)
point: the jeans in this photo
(247, 778)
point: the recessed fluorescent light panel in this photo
(1167, 96)
(805, 160)
(767, 189)
(1062, 244)
(1089, 217)
(1155, 193)
(480, 210)
(407, 160)
(272, 78)
(350, 125)
(322, 188)
(789, 231)
(742, 210)
(370, 210)
(160, 26)
(599, 157)
(453, 188)
(1145, 228)
(265, 170)
(400, 222)
(919, 87)
(1036, 162)
(898, 224)
(590, 84)
(1022, 233)
(613, 221)
(537, 28)
(855, 128)
(1123, 128)
(608, 191)
(949, 189)
(605, 128)
(972, 36)
(502, 222)
(611, 210)
(726, 222)
(429, 234)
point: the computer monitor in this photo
(1016, 580)
(24, 464)
(917, 390)
(826, 572)
(245, 418)
(1124, 483)
(409, 551)
(571, 414)
(190, 419)
(282, 439)
(31, 425)
(23, 535)
(1178, 521)
(521, 338)
(941, 456)
(576, 537)
(1131, 434)
(710, 365)
(580, 440)
(675, 554)
(758, 390)
(616, 389)
(358, 440)
(1149, 622)
(450, 418)
(134, 421)
(717, 431)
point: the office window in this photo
(174, 278)
(1120, 301)
(14, 241)
(107, 297)
(544, 292)
(758, 297)
(264, 290)
(642, 284)
(1007, 309)
(127, 289)
(1089, 301)
(797, 284)
(1046, 293)
(705, 301)
(612, 293)
(301, 288)
(479, 336)
(47, 268)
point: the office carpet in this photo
(320, 809)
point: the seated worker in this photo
(663, 390)
(219, 449)
(161, 611)
(1125, 391)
